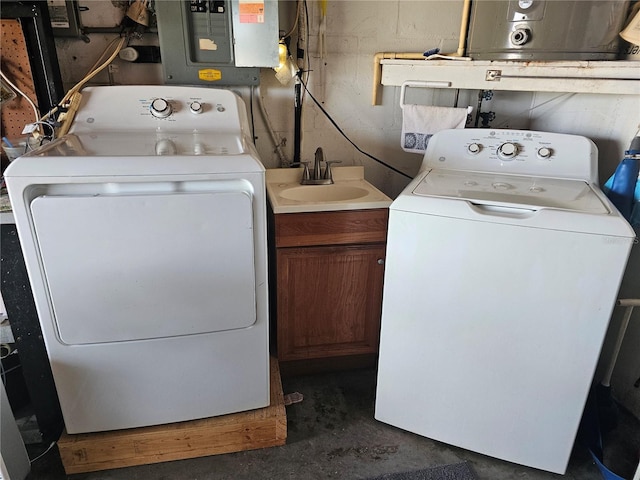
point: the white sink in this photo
(350, 191)
(324, 193)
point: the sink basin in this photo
(324, 193)
(350, 191)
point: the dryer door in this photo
(128, 267)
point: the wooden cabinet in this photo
(329, 269)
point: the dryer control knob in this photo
(507, 150)
(195, 107)
(474, 148)
(160, 108)
(544, 152)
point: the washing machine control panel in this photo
(522, 152)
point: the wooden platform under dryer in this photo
(265, 427)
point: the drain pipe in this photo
(464, 26)
(377, 67)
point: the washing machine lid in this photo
(534, 202)
(532, 193)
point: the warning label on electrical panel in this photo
(209, 75)
(251, 11)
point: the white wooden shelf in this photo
(609, 77)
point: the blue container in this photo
(623, 186)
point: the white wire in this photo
(33, 105)
(104, 52)
(295, 23)
(43, 453)
(89, 76)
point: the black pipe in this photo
(297, 126)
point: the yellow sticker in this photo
(209, 75)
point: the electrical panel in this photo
(65, 18)
(217, 42)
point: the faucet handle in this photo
(327, 170)
(305, 173)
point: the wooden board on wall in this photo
(16, 113)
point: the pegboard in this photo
(16, 113)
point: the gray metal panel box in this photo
(217, 42)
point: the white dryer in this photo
(503, 264)
(144, 235)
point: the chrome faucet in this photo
(318, 178)
(319, 158)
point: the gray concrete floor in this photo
(332, 435)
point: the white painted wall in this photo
(356, 29)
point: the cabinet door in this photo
(329, 301)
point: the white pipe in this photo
(464, 25)
(377, 69)
(629, 302)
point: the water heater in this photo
(217, 42)
(545, 29)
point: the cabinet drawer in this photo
(331, 228)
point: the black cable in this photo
(253, 125)
(347, 138)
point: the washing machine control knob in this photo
(507, 150)
(474, 148)
(160, 108)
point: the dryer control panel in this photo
(518, 152)
(134, 108)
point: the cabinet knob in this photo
(381, 261)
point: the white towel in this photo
(420, 122)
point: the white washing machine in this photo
(504, 260)
(144, 235)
